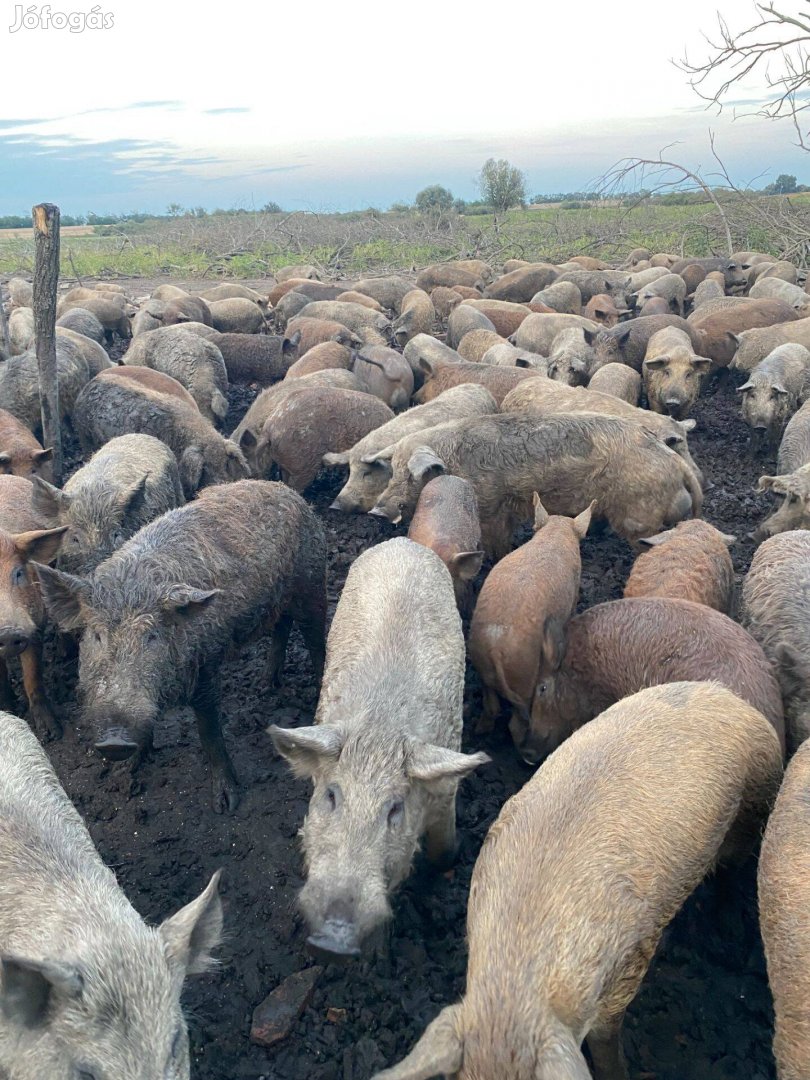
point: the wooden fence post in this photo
(5, 341)
(46, 279)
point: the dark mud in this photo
(703, 1012)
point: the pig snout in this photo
(345, 503)
(337, 938)
(116, 744)
(13, 641)
(120, 737)
(390, 513)
(674, 406)
(341, 917)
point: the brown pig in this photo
(689, 562)
(794, 513)
(518, 628)
(324, 357)
(498, 380)
(583, 870)
(506, 317)
(784, 915)
(20, 453)
(721, 328)
(620, 647)
(446, 521)
(303, 333)
(24, 538)
(152, 380)
(602, 309)
(444, 300)
(672, 372)
(417, 316)
(619, 380)
(474, 346)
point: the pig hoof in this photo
(46, 723)
(226, 795)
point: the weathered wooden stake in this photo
(5, 340)
(46, 278)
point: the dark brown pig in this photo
(157, 617)
(446, 521)
(498, 380)
(689, 562)
(603, 309)
(303, 333)
(324, 357)
(720, 328)
(257, 358)
(518, 628)
(617, 648)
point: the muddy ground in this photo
(704, 1011)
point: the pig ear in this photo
(654, 541)
(439, 1052)
(41, 456)
(331, 461)
(591, 335)
(219, 404)
(247, 440)
(745, 387)
(735, 338)
(728, 539)
(431, 763)
(582, 521)
(40, 546)
(777, 388)
(382, 457)
(424, 464)
(130, 497)
(183, 601)
(767, 483)
(701, 364)
(194, 932)
(192, 464)
(624, 336)
(47, 500)
(467, 564)
(656, 362)
(427, 365)
(307, 749)
(540, 512)
(29, 988)
(687, 425)
(292, 342)
(64, 596)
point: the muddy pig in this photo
(384, 753)
(569, 460)
(108, 407)
(559, 940)
(148, 379)
(474, 346)
(617, 648)
(187, 309)
(20, 453)
(773, 392)
(126, 484)
(303, 334)
(440, 376)
(83, 322)
(571, 356)
(157, 617)
(794, 513)
(446, 521)
(672, 372)
(237, 315)
(721, 329)
(518, 628)
(89, 990)
(308, 424)
(627, 343)
(328, 356)
(417, 316)
(689, 562)
(19, 383)
(777, 613)
(112, 316)
(257, 358)
(520, 285)
(196, 363)
(603, 309)
(618, 380)
(784, 915)
(386, 374)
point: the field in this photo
(703, 1012)
(251, 245)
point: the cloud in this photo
(229, 109)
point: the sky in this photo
(328, 106)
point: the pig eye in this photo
(152, 636)
(86, 1074)
(541, 688)
(331, 798)
(395, 813)
(18, 575)
(117, 538)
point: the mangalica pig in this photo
(462, 320)
(299, 270)
(754, 345)
(656, 305)
(20, 453)
(643, 277)
(25, 536)
(126, 484)
(776, 611)
(389, 292)
(636, 256)
(188, 309)
(157, 617)
(108, 407)
(777, 289)
(520, 285)
(440, 376)
(444, 301)
(721, 329)
(446, 521)
(417, 316)
(447, 274)
(21, 293)
(308, 424)
(95, 355)
(773, 392)
(196, 363)
(475, 344)
(236, 315)
(328, 356)
(672, 372)
(353, 297)
(384, 753)
(84, 322)
(505, 355)
(368, 325)
(615, 283)
(386, 374)
(315, 290)
(562, 296)
(423, 345)
(547, 398)
(794, 513)
(368, 477)
(569, 460)
(707, 290)
(255, 358)
(150, 317)
(570, 358)
(150, 380)
(89, 990)
(538, 331)
(733, 273)
(794, 449)
(288, 307)
(784, 915)
(506, 317)
(619, 380)
(782, 269)
(21, 330)
(671, 287)
(518, 628)
(617, 648)
(627, 342)
(567, 907)
(169, 292)
(228, 289)
(112, 316)
(689, 562)
(603, 309)
(303, 334)
(19, 383)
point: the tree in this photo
(434, 200)
(782, 185)
(399, 208)
(502, 185)
(174, 209)
(774, 47)
(271, 208)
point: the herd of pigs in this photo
(471, 405)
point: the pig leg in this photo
(440, 835)
(7, 701)
(44, 720)
(606, 1051)
(278, 649)
(485, 724)
(205, 703)
(313, 631)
